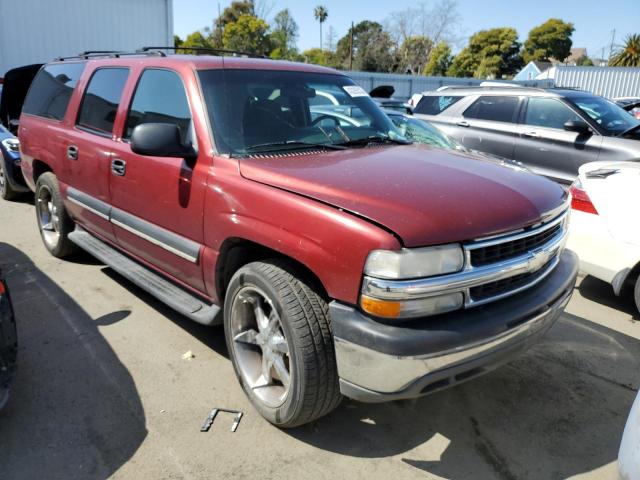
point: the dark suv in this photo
(341, 259)
(551, 131)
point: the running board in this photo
(167, 292)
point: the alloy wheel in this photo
(260, 347)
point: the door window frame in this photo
(525, 108)
(194, 137)
(94, 131)
(517, 111)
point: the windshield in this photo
(270, 110)
(611, 117)
(420, 131)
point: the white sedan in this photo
(605, 226)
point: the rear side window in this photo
(494, 108)
(51, 90)
(101, 99)
(159, 98)
(549, 113)
(435, 104)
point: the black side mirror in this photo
(577, 126)
(160, 140)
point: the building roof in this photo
(542, 66)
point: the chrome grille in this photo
(511, 249)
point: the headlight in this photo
(415, 262)
(11, 144)
(408, 264)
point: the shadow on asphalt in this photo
(601, 292)
(74, 410)
(557, 411)
(212, 337)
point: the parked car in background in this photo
(15, 85)
(341, 258)
(630, 104)
(8, 342)
(605, 231)
(11, 180)
(629, 454)
(551, 131)
(420, 131)
(383, 96)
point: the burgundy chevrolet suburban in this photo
(278, 199)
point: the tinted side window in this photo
(51, 90)
(547, 112)
(101, 99)
(435, 104)
(494, 108)
(159, 98)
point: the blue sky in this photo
(594, 20)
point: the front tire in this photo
(54, 222)
(6, 192)
(279, 339)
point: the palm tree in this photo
(629, 54)
(320, 13)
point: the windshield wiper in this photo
(374, 139)
(289, 145)
(628, 130)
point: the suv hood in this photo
(426, 196)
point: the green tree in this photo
(493, 53)
(629, 54)
(231, 14)
(320, 13)
(196, 40)
(584, 61)
(247, 34)
(284, 35)
(551, 40)
(321, 57)
(439, 60)
(372, 47)
(413, 54)
(177, 41)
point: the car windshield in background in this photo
(420, 131)
(611, 117)
(266, 111)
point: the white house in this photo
(36, 31)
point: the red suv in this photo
(278, 199)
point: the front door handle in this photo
(118, 167)
(531, 134)
(72, 152)
(463, 123)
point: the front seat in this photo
(262, 122)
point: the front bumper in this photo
(379, 362)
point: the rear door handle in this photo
(463, 123)
(118, 167)
(72, 152)
(531, 134)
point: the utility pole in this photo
(351, 47)
(613, 39)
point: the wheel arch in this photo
(236, 252)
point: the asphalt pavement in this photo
(102, 390)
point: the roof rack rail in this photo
(107, 54)
(218, 51)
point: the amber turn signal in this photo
(380, 308)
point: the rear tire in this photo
(6, 192)
(279, 339)
(54, 222)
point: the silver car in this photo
(551, 131)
